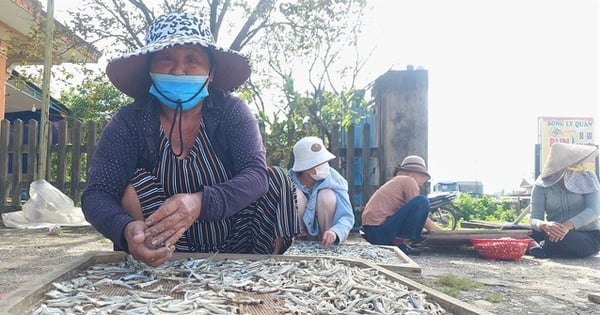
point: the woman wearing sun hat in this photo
(324, 207)
(397, 212)
(565, 204)
(183, 168)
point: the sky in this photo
(494, 67)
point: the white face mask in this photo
(322, 172)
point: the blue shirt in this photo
(556, 203)
(343, 219)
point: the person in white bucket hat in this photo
(183, 168)
(397, 212)
(565, 204)
(324, 207)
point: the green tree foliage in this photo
(304, 55)
(321, 96)
(95, 99)
(302, 83)
(92, 101)
(284, 39)
(485, 209)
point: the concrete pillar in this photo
(401, 117)
(3, 77)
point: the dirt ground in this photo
(526, 286)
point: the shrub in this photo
(485, 209)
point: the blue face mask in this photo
(171, 90)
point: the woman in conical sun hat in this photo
(183, 168)
(565, 204)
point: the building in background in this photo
(575, 130)
(18, 18)
(23, 101)
(473, 188)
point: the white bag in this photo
(48, 205)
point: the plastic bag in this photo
(47, 204)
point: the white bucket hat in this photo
(562, 156)
(130, 72)
(310, 152)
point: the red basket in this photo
(501, 248)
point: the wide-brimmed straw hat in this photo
(310, 152)
(414, 163)
(130, 72)
(562, 156)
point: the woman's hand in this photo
(329, 238)
(555, 231)
(430, 226)
(173, 218)
(140, 248)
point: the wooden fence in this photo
(67, 158)
(71, 149)
(357, 164)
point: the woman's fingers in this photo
(556, 235)
(169, 229)
(175, 237)
(172, 219)
(158, 257)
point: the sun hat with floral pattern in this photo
(130, 72)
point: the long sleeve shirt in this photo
(557, 204)
(343, 218)
(131, 140)
(390, 197)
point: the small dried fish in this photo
(315, 285)
(367, 252)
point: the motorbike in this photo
(442, 210)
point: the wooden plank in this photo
(24, 299)
(366, 163)
(91, 141)
(475, 232)
(476, 224)
(464, 236)
(594, 297)
(76, 161)
(4, 153)
(61, 155)
(32, 144)
(349, 160)
(48, 150)
(409, 267)
(17, 159)
(481, 224)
